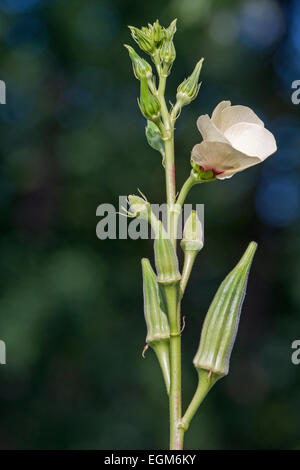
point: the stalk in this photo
(171, 292)
(187, 268)
(205, 383)
(176, 433)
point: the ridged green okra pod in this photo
(165, 259)
(158, 331)
(219, 332)
(222, 320)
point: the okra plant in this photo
(233, 139)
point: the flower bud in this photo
(157, 33)
(167, 51)
(158, 331)
(189, 88)
(148, 103)
(141, 68)
(139, 207)
(192, 234)
(165, 259)
(222, 319)
(143, 39)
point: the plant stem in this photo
(176, 433)
(171, 292)
(162, 351)
(189, 259)
(205, 383)
(188, 184)
(168, 138)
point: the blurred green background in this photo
(71, 308)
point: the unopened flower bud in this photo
(189, 88)
(222, 319)
(167, 51)
(141, 68)
(139, 207)
(158, 331)
(143, 39)
(165, 259)
(148, 103)
(157, 33)
(192, 234)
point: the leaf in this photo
(154, 139)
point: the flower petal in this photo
(216, 114)
(252, 140)
(209, 131)
(235, 114)
(221, 158)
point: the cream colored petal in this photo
(216, 115)
(234, 114)
(208, 130)
(252, 140)
(221, 158)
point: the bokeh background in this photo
(71, 308)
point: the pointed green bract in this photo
(158, 331)
(171, 29)
(222, 320)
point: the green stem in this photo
(176, 433)
(168, 138)
(205, 383)
(161, 349)
(171, 292)
(170, 172)
(189, 259)
(189, 183)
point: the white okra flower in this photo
(234, 138)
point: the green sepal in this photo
(200, 176)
